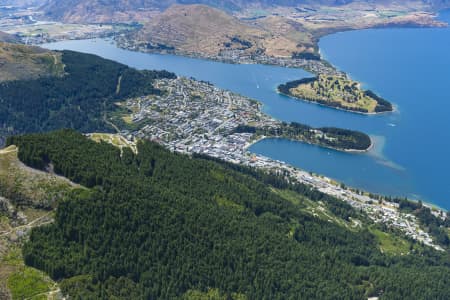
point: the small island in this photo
(338, 92)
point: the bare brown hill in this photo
(206, 31)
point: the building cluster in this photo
(194, 116)
(382, 212)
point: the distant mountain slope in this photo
(126, 10)
(7, 38)
(206, 31)
(97, 10)
(101, 11)
(18, 62)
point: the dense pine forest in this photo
(78, 100)
(163, 225)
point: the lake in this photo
(409, 67)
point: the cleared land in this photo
(314, 208)
(391, 244)
(113, 139)
(26, 282)
(27, 186)
(31, 196)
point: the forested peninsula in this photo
(331, 137)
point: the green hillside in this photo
(80, 99)
(164, 225)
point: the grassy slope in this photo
(391, 244)
(337, 92)
(25, 62)
(326, 89)
(315, 209)
(113, 139)
(287, 37)
(25, 282)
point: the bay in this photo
(411, 68)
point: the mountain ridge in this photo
(98, 11)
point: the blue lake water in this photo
(409, 67)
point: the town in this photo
(196, 117)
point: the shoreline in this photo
(352, 151)
(284, 62)
(355, 151)
(430, 205)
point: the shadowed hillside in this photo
(7, 38)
